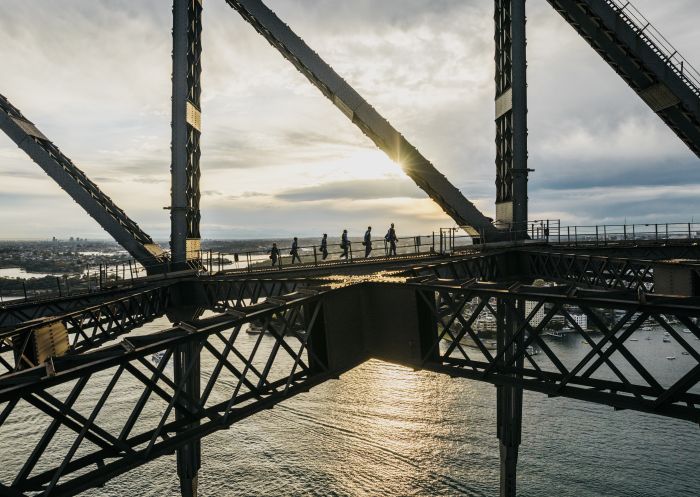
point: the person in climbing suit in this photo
(274, 254)
(324, 246)
(295, 250)
(391, 238)
(368, 241)
(344, 245)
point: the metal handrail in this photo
(443, 242)
(658, 43)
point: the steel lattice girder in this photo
(609, 374)
(365, 117)
(291, 366)
(635, 250)
(638, 61)
(74, 181)
(549, 265)
(186, 129)
(511, 115)
(590, 270)
(296, 322)
(93, 325)
(89, 327)
(487, 266)
(15, 313)
(226, 293)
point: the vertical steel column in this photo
(186, 127)
(184, 214)
(186, 368)
(511, 116)
(509, 398)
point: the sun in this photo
(365, 164)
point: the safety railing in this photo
(101, 277)
(457, 240)
(657, 42)
(619, 234)
(87, 279)
(445, 241)
(313, 256)
(551, 231)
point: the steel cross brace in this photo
(557, 376)
(290, 321)
(85, 192)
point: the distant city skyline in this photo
(279, 160)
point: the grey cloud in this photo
(583, 173)
(24, 174)
(107, 179)
(354, 190)
(245, 195)
(614, 205)
(253, 149)
(95, 77)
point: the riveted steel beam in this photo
(511, 116)
(643, 58)
(186, 132)
(81, 189)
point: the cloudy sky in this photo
(279, 159)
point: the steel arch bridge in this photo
(426, 312)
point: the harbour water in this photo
(16, 272)
(383, 429)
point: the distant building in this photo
(581, 320)
(530, 306)
(539, 315)
(486, 323)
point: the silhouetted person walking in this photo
(274, 253)
(368, 241)
(324, 246)
(344, 245)
(391, 238)
(295, 250)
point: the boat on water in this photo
(555, 334)
(634, 339)
(467, 341)
(254, 328)
(648, 338)
(684, 353)
(531, 350)
(157, 357)
(646, 328)
(671, 358)
(666, 333)
(686, 330)
(667, 340)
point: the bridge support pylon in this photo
(187, 373)
(509, 398)
(511, 117)
(185, 243)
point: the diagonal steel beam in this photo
(81, 189)
(366, 117)
(666, 82)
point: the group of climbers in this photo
(390, 238)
